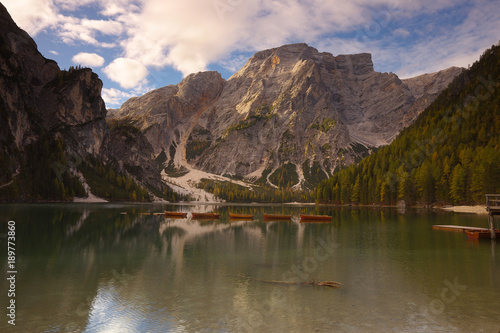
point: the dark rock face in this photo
(37, 98)
(133, 152)
(37, 95)
(71, 104)
(23, 73)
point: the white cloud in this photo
(400, 32)
(431, 46)
(114, 97)
(128, 73)
(88, 59)
(72, 4)
(33, 15)
(73, 30)
(191, 35)
(119, 7)
(107, 27)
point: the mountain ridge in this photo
(290, 104)
(289, 118)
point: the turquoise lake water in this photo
(111, 268)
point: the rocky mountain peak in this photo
(202, 86)
(289, 109)
(357, 64)
(289, 58)
(291, 50)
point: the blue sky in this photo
(139, 45)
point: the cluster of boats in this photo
(267, 217)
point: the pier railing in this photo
(493, 208)
(493, 203)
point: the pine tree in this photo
(356, 191)
(425, 184)
(457, 184)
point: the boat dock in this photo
(492, 207)
(457, 228)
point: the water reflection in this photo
(92, 268)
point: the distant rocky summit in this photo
(290, 108)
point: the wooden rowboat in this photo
(206, 216)
(315, 218)
(474, 234)
(240, 216)
(180, 215)
(277, 217)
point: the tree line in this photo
(44, 174)
(233, 192)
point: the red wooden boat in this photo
(240, 216)
(474, 234)
(277, 217)
(205, 216)
(315, 218)
(179, 215)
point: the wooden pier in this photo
(493, 208)
(457, 228)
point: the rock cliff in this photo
(43, 108)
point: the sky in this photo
(139, 45)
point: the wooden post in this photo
(492, 226)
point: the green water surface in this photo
(109, 268)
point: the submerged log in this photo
(331, 284)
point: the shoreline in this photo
(481, 209)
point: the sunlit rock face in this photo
(290, 109)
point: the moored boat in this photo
(206, 216)
(315, 218)
(176, 214)
(475, 234)
(277, 217)
(240, 216)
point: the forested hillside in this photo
(450, 155)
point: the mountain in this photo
(450, 155)
(54, 137)
(289, 118)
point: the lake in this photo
(111, 268)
